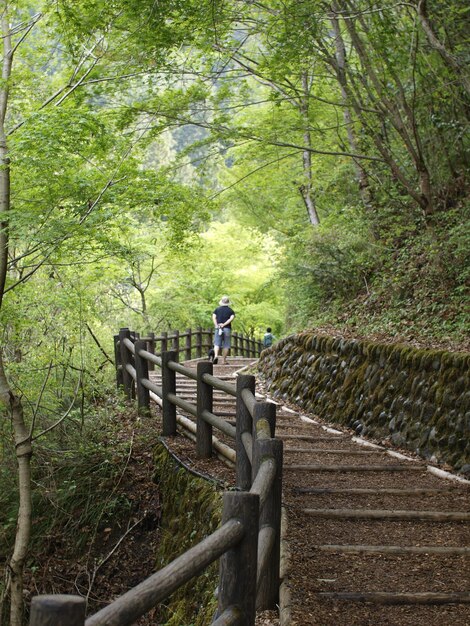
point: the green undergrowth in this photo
(191, 510)
(412, 285)
(78, 476)
(422, 289)
(75, 477)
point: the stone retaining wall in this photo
(418, 398)
(191, 510)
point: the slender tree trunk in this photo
(449, 59)
(306, 189)
(9, 402)
(379, 139)
(7, 58)
(391, 108)
(23, 525)
(361, 174)
(143, 302)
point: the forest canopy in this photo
(308, 158)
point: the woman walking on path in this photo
(222, 318)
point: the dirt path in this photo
(331, 478)
(404, 556)
(348, 479)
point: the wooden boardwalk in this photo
(374, 536)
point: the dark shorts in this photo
(224, 340)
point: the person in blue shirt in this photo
(222, 317)
(268, 338)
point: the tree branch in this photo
(98, 343)
(64, 416)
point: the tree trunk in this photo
(449, 59)
(143, 302)
(23, 525)
(8, 400)
(361, 174)
(7, 58)
(389, 108)
(404, 123)
(306, 189)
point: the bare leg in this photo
(216, 354)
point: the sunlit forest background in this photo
(308, 159)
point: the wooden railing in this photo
(248, 541)
(196, 343)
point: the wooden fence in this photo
(247, 543)
(196, 343)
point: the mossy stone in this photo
(181, 528)
(398, 439)
(427, 412)
(348, 381)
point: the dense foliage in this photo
(308, 158)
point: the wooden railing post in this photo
(176, 342)
(246, 346)
(118, 362)
(270, 516)
(198, 342)
(151, 349)
(204, 402)
(127, 379)
(187, 352)
(237, 569)
(142, 371)
(243, 425)
(266, 410)
(57, 610)
(168, 386)
(235, 343)
(209, 340)
(164, 342)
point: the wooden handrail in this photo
(221, 385)
(137, 601)
(219, 423)
(230, 617)
(264, 480)
(153, 387)
(53, 610)
(131, 369)
(248, 541)
(181, 369)
(189, 407)
(247, 441)
(152, 358)
(243, 345)
(249, 400)
(266, 540)
(255, 448)
(263, 429)
(129, 345)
